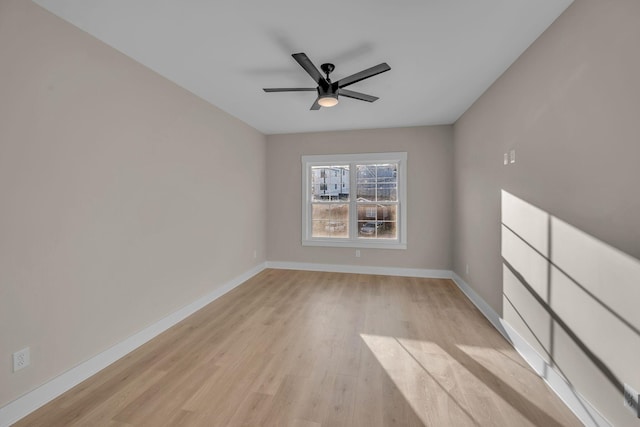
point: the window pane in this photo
(377, 182)
(329, 182)
(329, 220)
(377, 221)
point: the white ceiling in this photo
(443, 53)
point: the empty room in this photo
(285, 213)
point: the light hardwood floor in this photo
(300, 348)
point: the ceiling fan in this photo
(328, 91)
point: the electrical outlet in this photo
(631, 398)
(512, 156)
(357, 253)
(506, 159)
(21, 359)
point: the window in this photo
(354, 200)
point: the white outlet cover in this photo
(512, 156)
(21, 359)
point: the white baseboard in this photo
(585, 412)
(361, 269)
(31, 401)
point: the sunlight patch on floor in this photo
(419, 387)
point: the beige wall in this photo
(569, 106)
(123, 196)
(429, 195)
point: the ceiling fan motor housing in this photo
(331, 90)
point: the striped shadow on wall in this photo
(574, 299)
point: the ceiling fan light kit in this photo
(328, 92)
(328, 100)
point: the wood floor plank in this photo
(341, 404)
(102, 414)
(299, 348)
(252, 410)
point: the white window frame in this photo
(352, 160)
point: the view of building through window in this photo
(330, 184)
(376, 200)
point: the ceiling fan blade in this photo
(364, 74)
(290, 89)
(357, 95)
(308, 66)
(315, 105)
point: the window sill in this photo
(352, 244)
